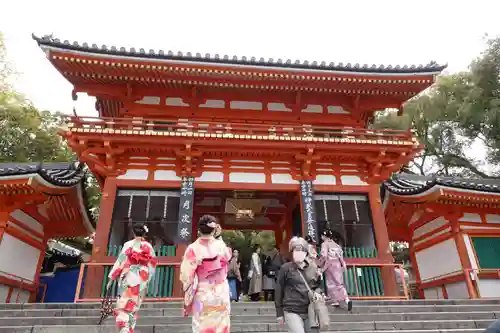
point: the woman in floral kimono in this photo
(332, 259)
(133, 269)
(204, 271)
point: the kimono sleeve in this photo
(341, 258)
(117, 269)
(188, 267)
(152, 264)
(323, 255)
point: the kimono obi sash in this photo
(214, 269)
(142, 257)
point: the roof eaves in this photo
(402, 185)
(58, 174)
(431, 67)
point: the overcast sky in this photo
(369, 31)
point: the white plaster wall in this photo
(469, 217)
(4, 292)
(245, 105)
(18, 258)
(24, 231)
(492, 218)
(351, 180)
(470, 252)
(211, 176)
(213, 103)
(165, 175)
(283, 178)
(28, 220)
(247, 177)
(489, 288)
(429, 226)
(457, 290)
(434, 235)
(278, 107)
(325, 180)
(438, 260)
(139, 174)
(433, 293)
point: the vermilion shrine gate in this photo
(261, 144)
(453, 228)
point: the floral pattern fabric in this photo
(334, 266)
(133, 269)
(206, 264)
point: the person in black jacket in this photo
(493, 328)
(272, 264)
(291, 293)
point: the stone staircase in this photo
(418, 316)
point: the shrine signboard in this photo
(308, 210)
(184, 228)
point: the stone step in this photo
(253, 310)
(84, 317)
(256, 304)
(158, 329)
(379, 327)
(259, 326)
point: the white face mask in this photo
(299, 256)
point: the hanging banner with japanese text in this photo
(308, 209)
(185, 226)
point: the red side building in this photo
(452, 226)
(38, 202)
(262, 144)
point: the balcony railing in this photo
(362, 281)
(17, 285)
(238, 130)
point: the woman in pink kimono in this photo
(204, 271)
(134, 269)
(332, 259)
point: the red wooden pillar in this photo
(95, 275)
(4, 219)
(36, 279)
(103, 229)
(414, 264)
(382, 240)
(463, 255)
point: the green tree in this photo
(456, 112)
(31, 135)
(245, 240)
(28, 135)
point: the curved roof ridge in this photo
(65, 174)
(406, 184)
(50, 41)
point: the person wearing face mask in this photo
(292, 298)
(334, 266)
(204, 271)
